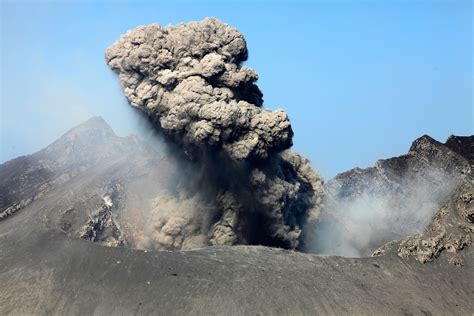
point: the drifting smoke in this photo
(238, 184)
(356, 224)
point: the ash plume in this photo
(188, 79)
(238, 183)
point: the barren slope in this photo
(46, 269)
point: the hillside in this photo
(91, 184)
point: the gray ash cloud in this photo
(239, 183)
(189, 80)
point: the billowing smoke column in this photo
(189, 81)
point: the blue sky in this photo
(360, 80)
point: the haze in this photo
(359, 81)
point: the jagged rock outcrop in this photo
(102, 227)
(452, 227)
(400, 197)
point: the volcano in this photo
(72, 229)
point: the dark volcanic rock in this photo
(396, 198)
(424, 156)
(463, 145)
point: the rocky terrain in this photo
(399, 197)
(72, 240)
(91, 180)
(451, 229)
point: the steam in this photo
(237, 182)
(354, 224)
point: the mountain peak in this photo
(96, 121)
(93, 132)
(93, 125)
(423, 143)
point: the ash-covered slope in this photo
(89, 183)
(24, 179)
(398, 197)
(45, 268)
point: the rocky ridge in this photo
(425, 194)
(93, 180)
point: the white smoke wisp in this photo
(355, 226)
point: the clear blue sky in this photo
(360, 80)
